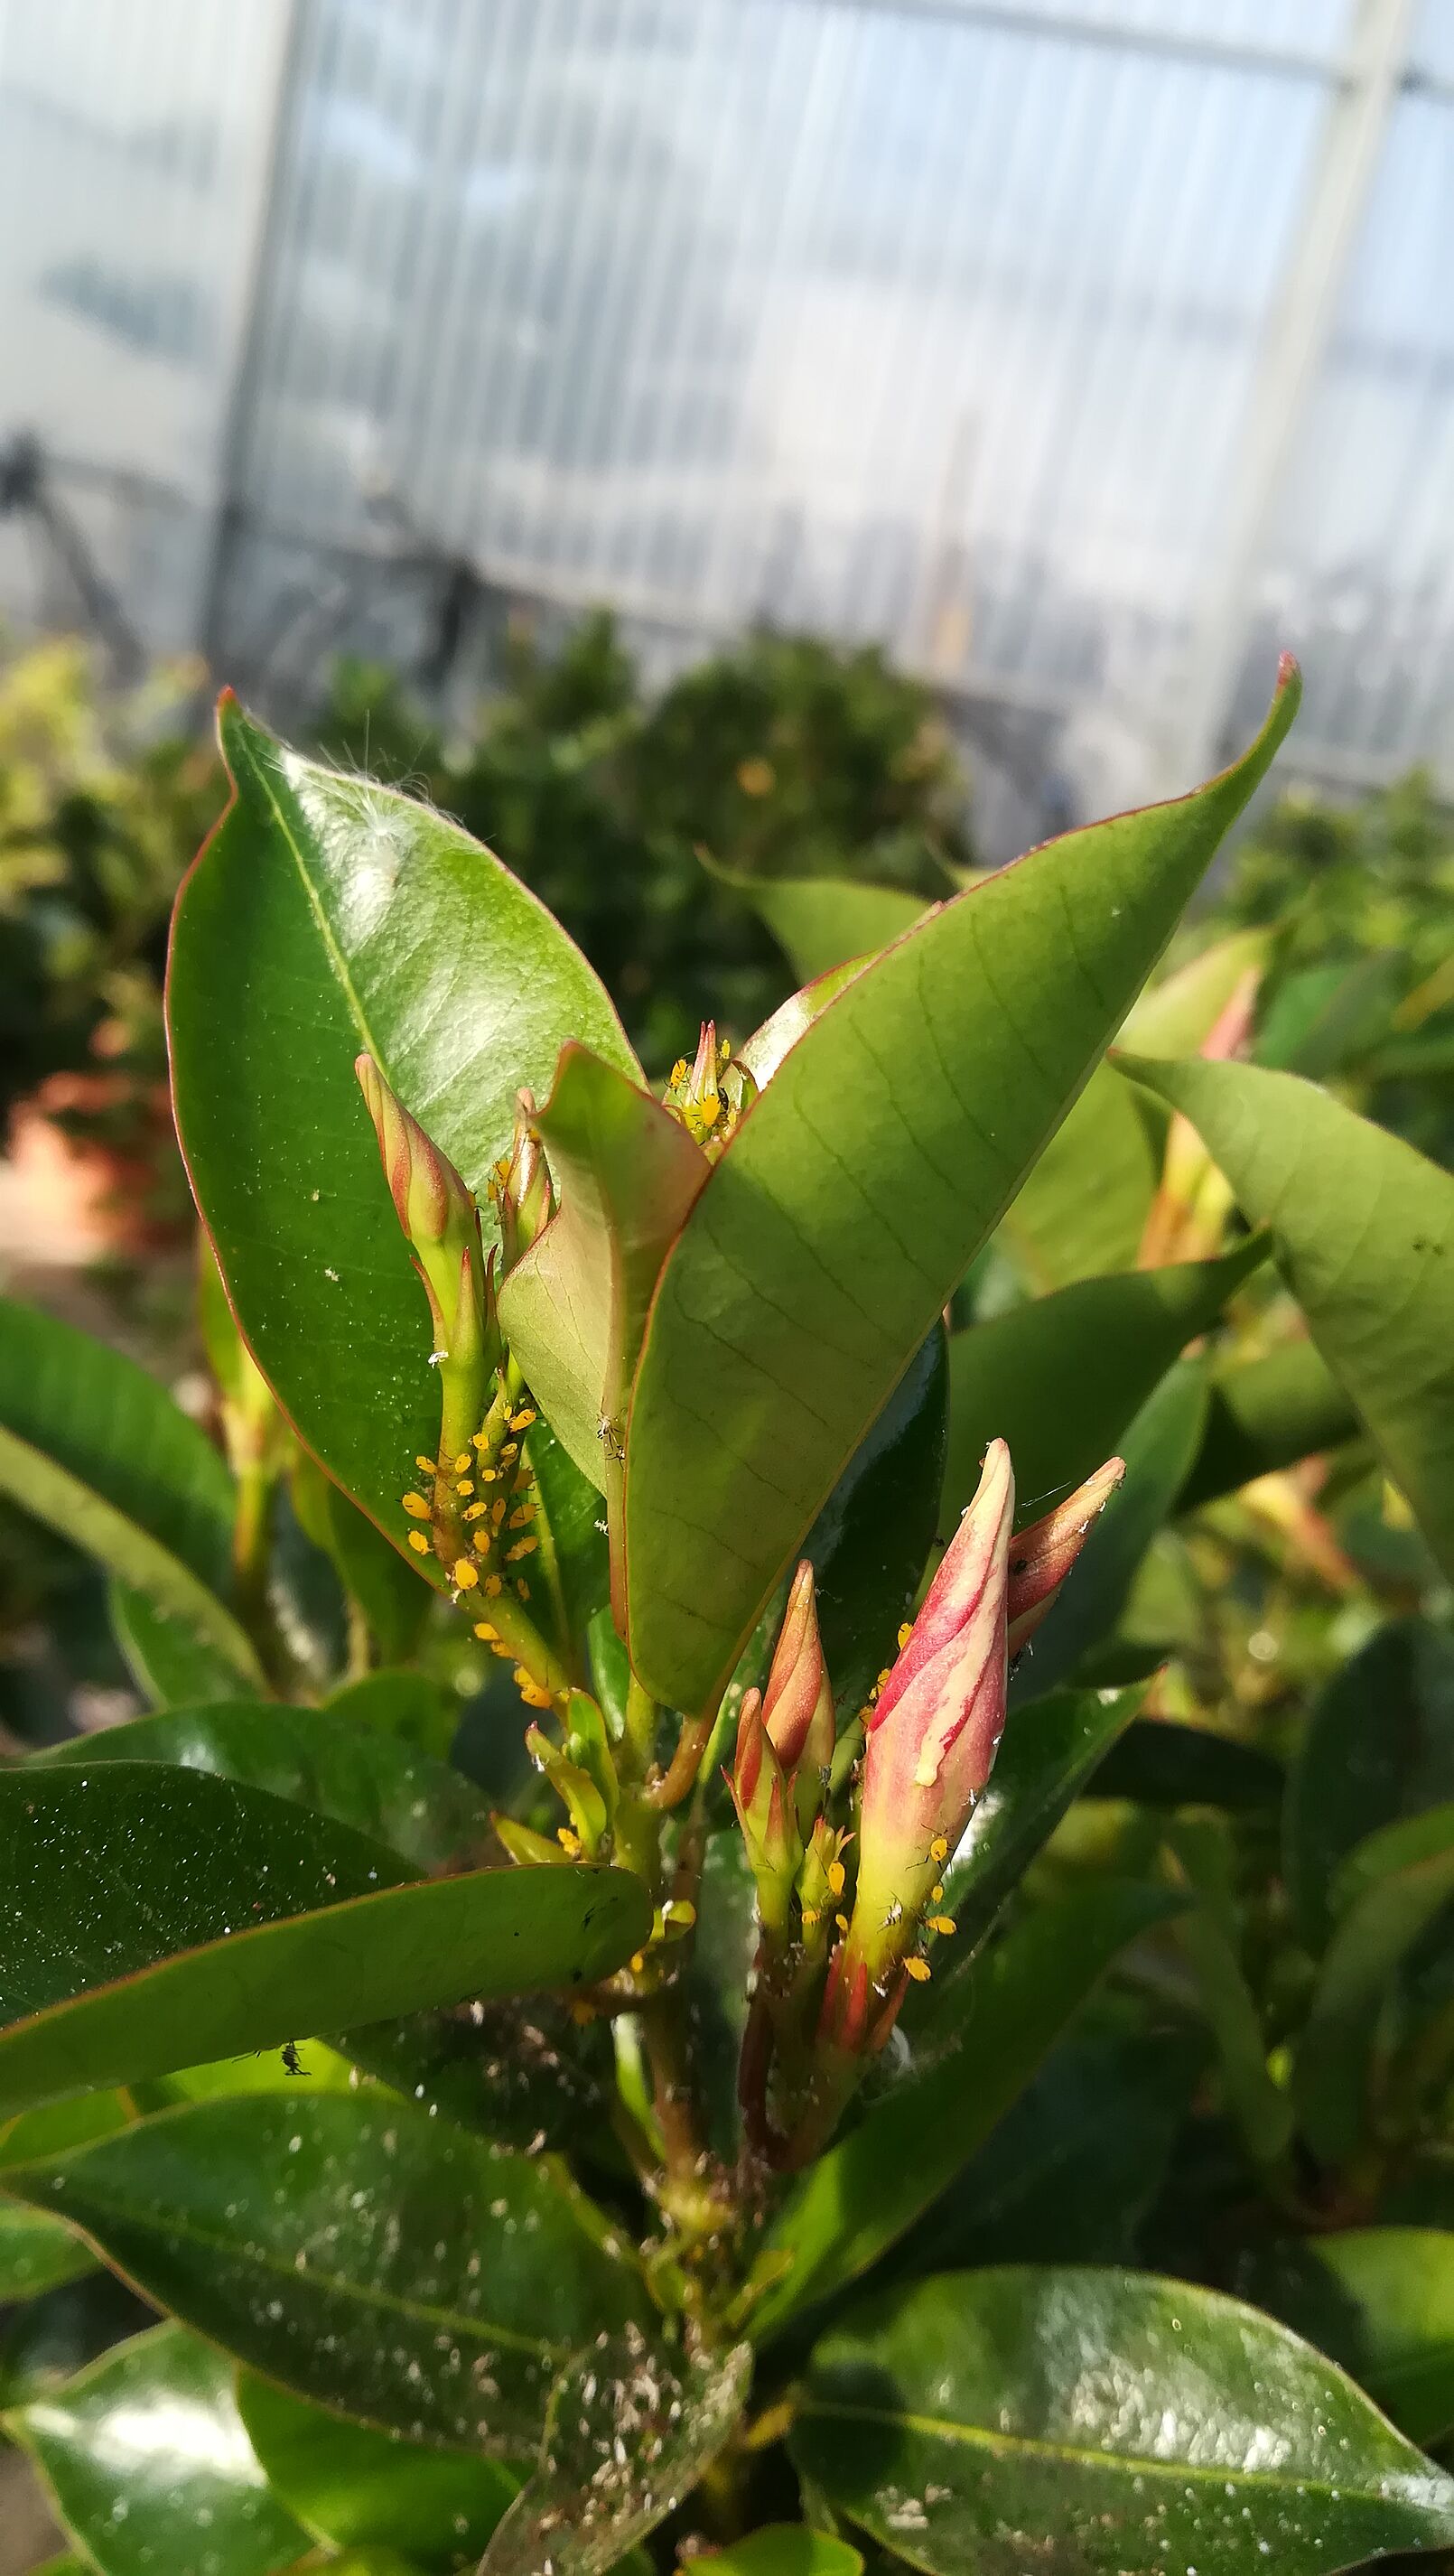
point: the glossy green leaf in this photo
(411, 1708)
(787, 2549)
(328, 915)
(169, 1661)
(1158, 1449)
(851, 2206)
(574, 1558)
(1083, 1207)
(318, 1758)
(1364, 1231)
(151, 1918)
(854, 1195)
(1379, 2300)
(574, 1306)
(151, 2465)
(1379, 1745)
(1374, 1936)
(367, 2257)
(822, 922)
(36, 2253)
(359, 2488)
(1266, 1414)
(1023, 1376)
(1050, 1752)
(1107, 2423)
(764, 1051)
(92, 1445)
(388, 1588)
(630, 2431)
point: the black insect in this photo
(291, 2059)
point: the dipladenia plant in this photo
(655, 1789)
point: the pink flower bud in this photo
(798, 1703)
(1042, 1556)
(765, 1812)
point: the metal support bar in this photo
(1295, 341)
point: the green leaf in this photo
(1380, 1745)
(1173, 1017)
(152, 2468)
(1378, 2300)
(1208, 1933)
(318, 1758)
(327, 915)
(410, 1708)
(388, 1588)
(1331, 2071)
(764, 1051)
(1266, 1414)
(92, 1445)
(869, 1543)
(1083, 1207)
(844, 2213)
(369, 2258)
(629, 2433)
(1158, 1763)
(37, 2253)
(360, 2488)
(1107, 2423)
(787, 2549)
(574, 1557)
(1364, 1232)
(152, 1918)
(1158, 1449)
(823, 922)
(574, 1306)
(1050, 1752)
(168, 1661)
(1022, 1377)
(854, 1195)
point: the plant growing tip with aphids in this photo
(687, 2032)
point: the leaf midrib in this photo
(325, 927)
(1129, 2463)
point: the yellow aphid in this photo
(638, 1960)
(522, 1547)
(522, 1420)
(534, 1696)
(811, 1916)
(489, 1475)
(499, 1647)
(511, 1449)
(497, 1510)
(521, 1518)
(522, 1587)
(943, 1924)
(883, 1677)
(463, 1461)
(836, 1876)
(466, 1485)
(939, 1848)
(679, 1069)
(484, 1631)
(416, 1507)
(466, 1575)
(906, 1632)
(419, 1542)
(476, 1511)
(568, 1841)
(426, 1466)
(842, 1922)
(494, 1586)
(724, 1050)
(936, 1895)
(918, 1969)
(479, 1440)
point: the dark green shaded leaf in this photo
(844, 2213)
(318, 1758)
(411, 1708)
(1024, 1376)
(49, 2338)
(92, 1445)
(630, 2431)
(327, 915)
(357, 2487)
(1364, 1230)
(441, 2283)
(1083, 1207)
(870, 1542)
(172, 1664)
(37, 2253)
(1160, 1764)
(1105, 2423)
(787, 2549)
(1380, 1745)
(389, 1589)
(823, 922)
(1373, 1938)
(152, 2468)
(1379, 2300)
(1158, 1449)
(1264, 1415)
(791, 1303)
(1198, 1861)
(152, 1918)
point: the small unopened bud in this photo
(709, 1096)
(521, 1189)
(798, 1702)
(765, 1811)
(1042, 1556)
